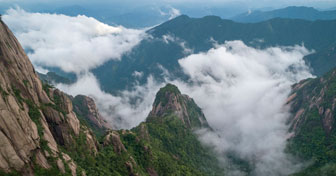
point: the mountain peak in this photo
(161, 96)
(169, 101)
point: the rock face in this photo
(316, 97)
(86, 107)
(169, 99)
(113, 138)
(34, 119)
(18, 81)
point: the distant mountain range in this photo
(198, 35)
(292, 12)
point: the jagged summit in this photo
(170, 101)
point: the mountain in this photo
(43, 131)
(292, 12)
(313, 124)
(183, 35)
(165, 144)
(121, 14)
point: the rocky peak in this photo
(169, 100)
(85, 107)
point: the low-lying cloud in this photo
(74, 44)
(242, 92)
(124, 111)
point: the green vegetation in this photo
(46, 87)
(13, 173)
(178, 150)
(17, 94)
(164, 145)
(171, 149)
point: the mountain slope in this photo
(291, 12)
(182, 36)
(37, 122)
(165, 144)
(313, 123)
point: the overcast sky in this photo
(247, 3)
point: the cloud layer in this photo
(74, 44)
(242, 92)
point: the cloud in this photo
(124, 111)
(242, 92)
(174, 13)
(182, 43)
(74, 44)
(171, 12)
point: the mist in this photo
(243, 92)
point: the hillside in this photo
(291, 12)
(313, 124)
(183, 35)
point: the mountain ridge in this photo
(200, 34)
(292, 12)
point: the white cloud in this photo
(242, 92)
(124, 111)
(167, 38)
(74, 44)
(172, 12)
(138, 74)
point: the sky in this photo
(128, 5)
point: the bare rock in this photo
(113, 138)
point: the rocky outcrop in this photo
(113, 138)
(34, 119)
(314, 98)
(169, 99)
(85, 107)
